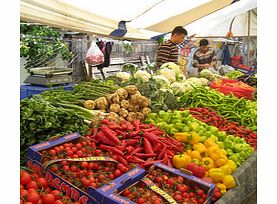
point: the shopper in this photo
(168, 51)
(204, 57)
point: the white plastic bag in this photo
(94, 55)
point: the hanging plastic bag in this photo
(94, 55)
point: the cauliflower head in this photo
(143, 75)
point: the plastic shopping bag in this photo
(94, 55)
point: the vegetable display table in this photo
(27, 90)
(246, 178)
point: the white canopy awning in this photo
(218, 23)
(147, 17)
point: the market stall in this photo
(140, 134)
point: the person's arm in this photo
(214, 61)
(196, 64)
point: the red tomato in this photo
(23, 192)
(57, 194)
(79, 153)
(84, 165)
(79, 146)
(85, 182)
(158, 179)
(25, 178)
(117, 173)
(48, 199)
(140, 201)
(73, 168)
(57, 149)
(58, 202)
(200, 201)
(111, 176)
(200, 192)
(74, 149)
(32, 190)
(170, 181)
(39, 201)
(21, 201)
(126, 192)
(84, 144)
(41, 182)
(75, 156)
(66, 168)
(32, 184)
(97, 152)
(52, 152)
(178, 197)
(33, 197)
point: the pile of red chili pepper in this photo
(210, 117)
(142, 144)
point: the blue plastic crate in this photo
(27, 90)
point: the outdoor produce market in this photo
(119, 106)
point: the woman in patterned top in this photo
(168, 51)
(204, 57)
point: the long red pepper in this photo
(152, 138)
(110, 134)
(151, 162)
(162, 152)
(122, 161)
(147, 146)
(109, 148)
(157, 147)
(102, 138)
(143, 155)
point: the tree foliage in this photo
(40, 44)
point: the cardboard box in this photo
(115, 198)
(34, 151)
(92, 196)
(64, 186)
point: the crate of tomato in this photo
(164, 184)
(75, 167)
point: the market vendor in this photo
(204, 57)
(168, 50)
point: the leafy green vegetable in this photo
(39, 120)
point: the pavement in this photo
(252, 199)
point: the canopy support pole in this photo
(248, 40)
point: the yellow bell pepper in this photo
(226, 169)
(181, 136)
(193, 138)
(195, 155)
(199, 147)
(221, 187)
(232, 165)
(188, 152)
(221, 160)
(209, 142)
(181, 161)
(213, 149)
(222, 151)
(229, 181)
(216, 174)
(207, 162)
